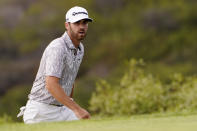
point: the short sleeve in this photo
(54, 62)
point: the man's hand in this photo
(82, 113)
(53, 86)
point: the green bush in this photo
(140, 93)
(180, 94)
(5, 119)
(11, 102)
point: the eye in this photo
(85, 22)
(77, 23)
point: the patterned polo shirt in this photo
(60, 59)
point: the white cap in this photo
(77, 13)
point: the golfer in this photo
(50, 98)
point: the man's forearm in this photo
(58, 93)
(71, 95)
(53, 86)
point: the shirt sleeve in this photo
(54, 62)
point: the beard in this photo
(78, 35)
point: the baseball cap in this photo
(77, 13)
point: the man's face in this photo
(78, 29)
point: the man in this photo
(51, 95)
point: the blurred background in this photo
(161, 32)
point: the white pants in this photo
(36, 112)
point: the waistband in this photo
(42, 103)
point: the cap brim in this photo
(89, 20)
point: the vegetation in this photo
(135, 123)
(12, 101)
(140, 93)
(162, 33)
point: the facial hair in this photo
(76, 35)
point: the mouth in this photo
(82, 32)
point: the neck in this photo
(74, 41)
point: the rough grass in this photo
(133, 123)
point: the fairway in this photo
(134, 123)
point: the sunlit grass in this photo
(134, 123)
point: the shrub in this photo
(11, 102)
(180, 94)
(140, 93)
(5, 119)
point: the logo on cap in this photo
(76, 13)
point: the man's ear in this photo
(66, 25)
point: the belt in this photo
(46, 103)
(56, 105)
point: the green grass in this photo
(133, 123)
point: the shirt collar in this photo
(69, 43)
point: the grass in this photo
(133, 123)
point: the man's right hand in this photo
(53, 86)
(82, 114)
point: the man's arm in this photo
(71, 95)
(53, 86)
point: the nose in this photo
(82, 25)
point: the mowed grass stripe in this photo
(141, 123)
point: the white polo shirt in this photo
(60, 59)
